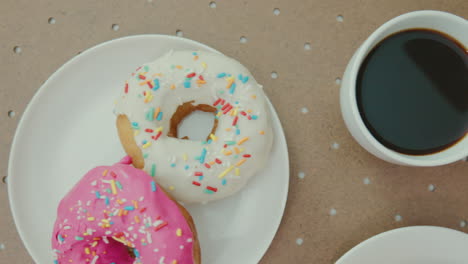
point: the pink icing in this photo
(113, 205)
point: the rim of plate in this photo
(366, 242)
(96, 48)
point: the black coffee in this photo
(412, 91)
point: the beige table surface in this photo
(339, 194)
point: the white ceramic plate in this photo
(68, 128)
(411, 245)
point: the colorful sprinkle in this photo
(241, 162)
(203, 155)
(221, 75)
(187, 84)
(153, 186)
(129, 208)
(237, 172)
(135, 125)
(212, 188)
(156, 84)
(232, 88)
(153, 170)
(160, 115)
(225, 172)
(213, 137)
(179, 232)
(196, 183)
(242, 140)
(79, 238)
(114, 189)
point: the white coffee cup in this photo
(447, 23)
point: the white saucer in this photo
(411, 245)
(68, 128)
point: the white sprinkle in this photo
(108, 232)
(130, 228)
(2, 246)
(335, 145)
(88, 203)
(462, 223)
(156, 250)
(104, 238)
(94, 183)
(304, 110)
(149, 238)
(94, 259)
(398, 218)
(301, 175)
(181, 247)
(161, 260)
(141, 199)
(431, 187)
(157, 222)
(367, 181)
(189, 240)
(67, 227)
(299, 241)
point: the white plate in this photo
(68, 128)
(411, 245)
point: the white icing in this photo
(166, 151)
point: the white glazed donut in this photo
(198, 171)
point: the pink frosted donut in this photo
(117, 214)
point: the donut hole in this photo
(108, 250)
(193, 122)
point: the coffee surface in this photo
(412, 91)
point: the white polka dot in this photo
(332, 211)
(307, 46)
(367, 181)
(2, 246)
(179, 33)
(274, 75)
(431, 187)
(299, 241)
(301, 175)
(51, 20)
(462, 223)
(398, 218)
(335, 145)
(304, 110)
(276, 11)
(243, 39)
(212, 4)
(339, 18)
(338, 80)
(17, 49)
